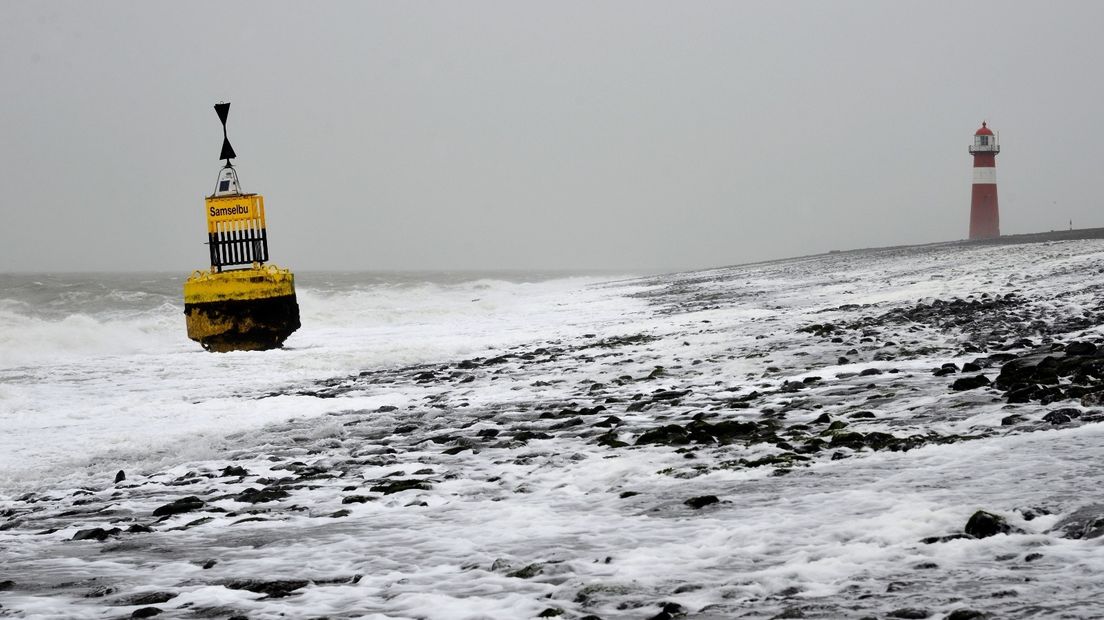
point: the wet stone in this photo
(398, 486)
(145, 598)
(95, 533)
(970, 383)
(966, 614)
(273, 589)
(1082, 524)
(527, 572)
(182, 505)
(669, 611)
(984, 524)
(909, 613)
(258, 496)
(702, 501)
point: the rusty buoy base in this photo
(241, 310)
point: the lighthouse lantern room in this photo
(984, 215)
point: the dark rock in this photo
(669, 611)
(233, 470)
(944, 371)
(1092, 399)
(966, 614)
(273, 589)
(970, 367)
(1080, 348)
(192, 524)
(566, 424)
(119, 477)
(970, 383)
(146, 612)
(355, 499)
(1084, 523)
(1057, 417)
(488, 433)
(255, 496)
(146, 598)
(551, 612)
(931, 540)
(99, 591)
(528, 572)
(398, 486)
(1031, 557)
(610, 439)
(672, 434)
(182, 505)
(609, 422)
(1011, 419)
(985, 524)
(138, 528)
(668, 394)
(701, 501)
(1033, 512)
(528, 435)
(7, 584)
(870, 372)
(95, 533)
(909, 613)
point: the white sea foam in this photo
(114, 382)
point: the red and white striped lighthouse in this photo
(984, 217)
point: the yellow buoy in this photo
(251, 307)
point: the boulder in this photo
(1082, 524)
(985, 524)
(182, 505)
(970, 383)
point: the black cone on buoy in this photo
(223, 110)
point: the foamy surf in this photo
(103, 377)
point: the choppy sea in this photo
(96, 371)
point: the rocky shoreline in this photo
(684, 416)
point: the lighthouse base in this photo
(984, 216)
(242, 310)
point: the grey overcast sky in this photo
(556, 135)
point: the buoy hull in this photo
(241, 310)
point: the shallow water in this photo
(437, 388)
